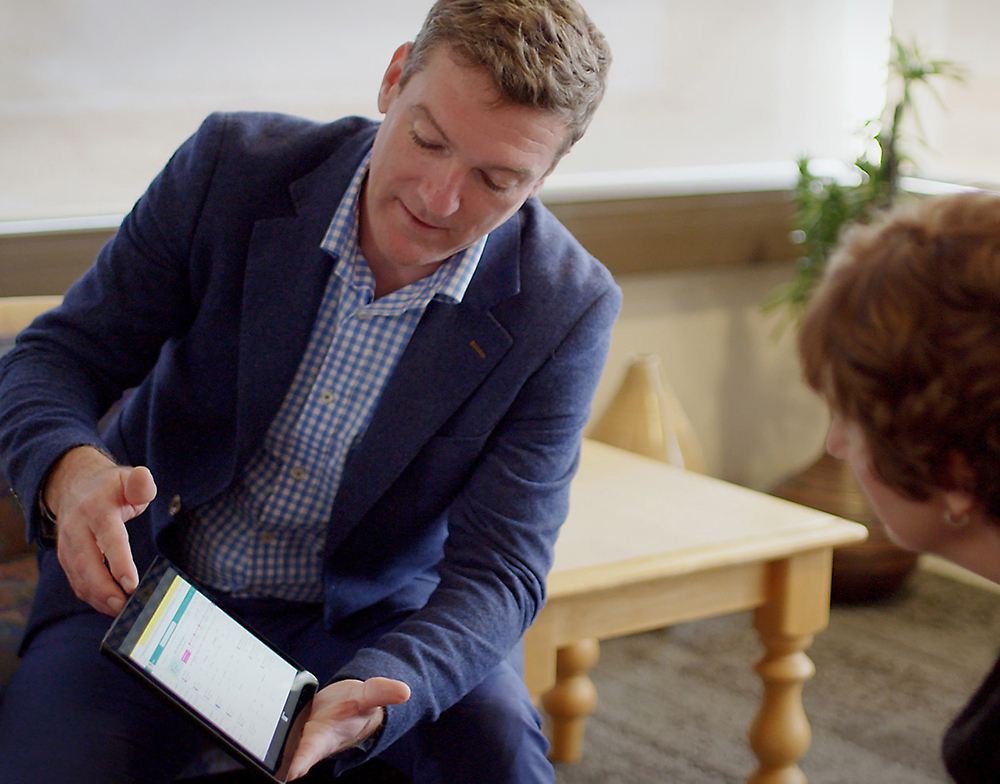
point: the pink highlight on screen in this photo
(186, 656)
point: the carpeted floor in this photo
(675, 705)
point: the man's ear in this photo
(390, 81)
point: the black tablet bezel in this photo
(139, 609)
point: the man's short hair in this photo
(546, 54)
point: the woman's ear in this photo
(958, 504)
(390, 81)
(959, 499)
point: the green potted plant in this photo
(825, 205)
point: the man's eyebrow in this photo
(426, 113)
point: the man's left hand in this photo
(341, 715)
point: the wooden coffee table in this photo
(646, 546)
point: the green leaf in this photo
(826, 207)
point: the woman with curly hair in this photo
(903, 341)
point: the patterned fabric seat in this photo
(18, 571)
(17, 585)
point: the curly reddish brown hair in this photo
(903, 337)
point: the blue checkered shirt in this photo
(265, 535)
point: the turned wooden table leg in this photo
(571, 701)
(780, 735)
(797, 607)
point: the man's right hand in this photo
(92, 498)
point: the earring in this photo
(959, 522)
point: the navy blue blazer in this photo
(204, 301)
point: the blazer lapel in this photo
(286, 275)
(275, 330)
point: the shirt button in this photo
(326, 397)
(174, 506)
(298, 473)
(268, 537)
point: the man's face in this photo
(449, 164)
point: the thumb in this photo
(378, 692)
(139, 488)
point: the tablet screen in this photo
(211, 664)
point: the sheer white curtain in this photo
(95, 94)
(962, 131)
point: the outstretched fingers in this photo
(343, 714)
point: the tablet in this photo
(225, 677)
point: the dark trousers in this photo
(71, 715)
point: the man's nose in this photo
(442, 189)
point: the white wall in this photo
(734, 372)
(95, 94)
(962, 130)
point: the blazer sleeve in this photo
(74, 362)
(161, 309)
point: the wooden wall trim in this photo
(47, 262)
(684, 232)
(630, 235)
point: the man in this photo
(362, 358)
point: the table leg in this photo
(798, 607)
(571, 701)
(780, 735)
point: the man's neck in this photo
(390, 278)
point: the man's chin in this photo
(410, 256)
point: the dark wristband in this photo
(47, 530)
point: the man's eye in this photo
(503, 186)
(489, 183)
(423, 143)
